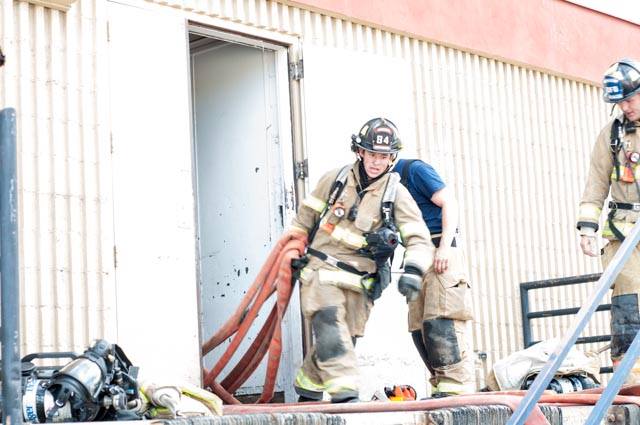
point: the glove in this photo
(410, 283)
(383, 277)
(589, 241)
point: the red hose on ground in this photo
(484, 399)
(625, 390)
(274, 276)
(588, 399)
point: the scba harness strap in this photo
(380, 244)
(618, 129)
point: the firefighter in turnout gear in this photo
(352, 219)
(439, 318)
(614, 171)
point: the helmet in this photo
(621, 81)
(377, 135)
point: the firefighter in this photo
(351, 219)
(439, 318)
(614, 171)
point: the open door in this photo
(154, 222)
(243, 150)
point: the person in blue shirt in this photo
(439, 318)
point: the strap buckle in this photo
(634, 206)
(331, 260)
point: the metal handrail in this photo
(556, 358)
(527, 315)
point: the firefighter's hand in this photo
(589, 241)
(410, 283)
(441, 260)
(294, 233)
(589, 245)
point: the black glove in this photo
(410, 283)
(382, 279)
(297, 264)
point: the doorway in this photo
(242, 145)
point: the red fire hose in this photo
(478, 399)
(274, 276)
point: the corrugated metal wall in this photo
(52, 78)
(513, 142)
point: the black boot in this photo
(303, 399)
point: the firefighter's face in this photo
(375, 163)
(631, 107)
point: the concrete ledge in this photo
(263, 419)
(627, 414)
(624, 414)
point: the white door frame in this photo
(291, 357)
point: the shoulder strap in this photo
(334, 193)
(615, 143)
(338, 185)
(389, 199)
(405, 171)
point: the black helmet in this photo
(621, 81)
(377, 135)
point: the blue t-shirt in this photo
(422, 182)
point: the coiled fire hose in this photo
(274, 276)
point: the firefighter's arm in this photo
(595, 192)
(598, 183)
(419, 250)
(445, 199)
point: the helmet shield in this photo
(621, 81)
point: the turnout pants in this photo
(625, 314)
(337, 316)
(438, 322)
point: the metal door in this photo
(240, 113)
(153, 192)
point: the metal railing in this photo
(9, 277)
(585, 313)
(528, 315)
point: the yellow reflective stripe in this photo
(344, 277)
(613, 172)
(332, 386)
(412, 229)
(622, 226)
(304, 382)
(453, 388)
(341, 233)
(589, 212)
(621, 169)
(341, 384)
(314, 203)
(306, 273)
